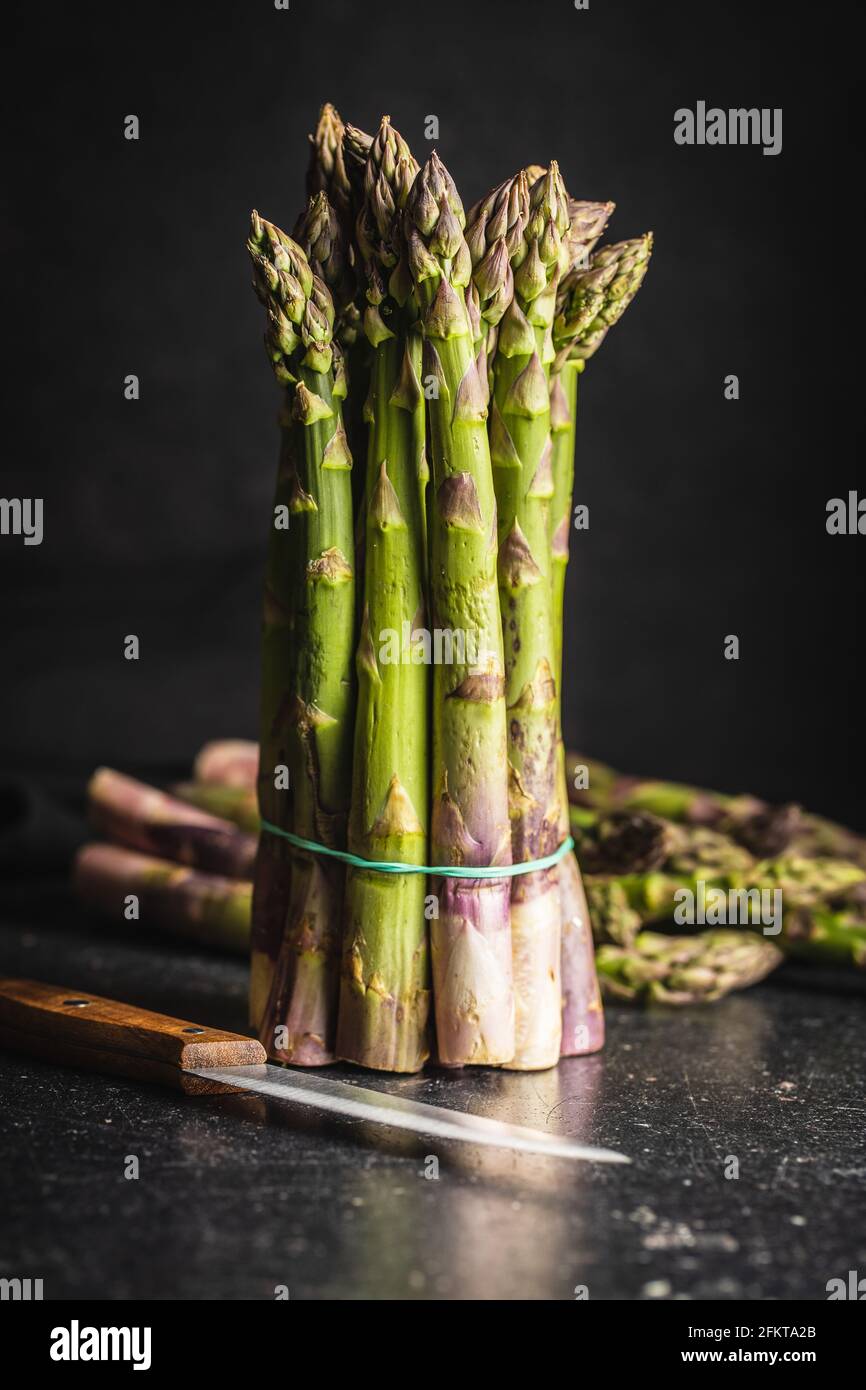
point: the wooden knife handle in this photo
(77, 1029)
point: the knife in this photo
(78, 1029)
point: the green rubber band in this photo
(382, 866)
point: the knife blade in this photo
(76, 1028)
(384, 1108)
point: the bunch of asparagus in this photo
(412, 642)
(412, 619)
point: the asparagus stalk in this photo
(471, 935)
(299, 1018)
(272, 875)
(206, 907)
(323, 232)
(145, 819)
(228, 762)
(687, 969)
(235, 804)
(582, 1016)
(583, 297)
(529, 253)
(384, 996)
(324, 238)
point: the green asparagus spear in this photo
(471, 934)
(384, 996)
(519, 447)
(582, 1016)
(299, 1020)
(685, 969)
(272, 876)
(583, 296)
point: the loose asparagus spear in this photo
(228, 762)
(618, 904)
(622, 842)
(145, 819)
(235, 804)
(384, 996)
(765, 830)
(825, 936)
(685, 969)
(471, 936)
(299, 1019)
(207, 907)
(519, 447)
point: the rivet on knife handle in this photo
(74, 1028)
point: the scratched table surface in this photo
(237, 1197)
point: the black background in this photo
(707, 516)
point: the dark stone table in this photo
(237, 1196)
